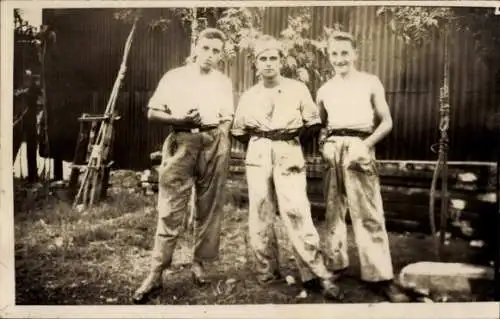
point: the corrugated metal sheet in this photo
(90, 45)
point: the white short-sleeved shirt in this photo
(348, 102)
(184, 88)
(287, 106)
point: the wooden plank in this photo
(483, 182)
(93, 118)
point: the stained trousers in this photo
(276, 178)
(355, 188)
(199, 159)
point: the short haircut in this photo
(212, 33)
(342, 36)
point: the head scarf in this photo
(267, 43)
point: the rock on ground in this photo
(443, 277)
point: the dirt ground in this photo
(64, 257)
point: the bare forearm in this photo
(382, 130)
(323, 114)
(159, 116)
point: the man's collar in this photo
(279, 82)
(194, 68)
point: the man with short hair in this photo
(350, 103)
(197, 100)
(270, 116)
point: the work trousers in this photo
(355, 188)
(199, 159)
(276, 178)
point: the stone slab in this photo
(443, 277)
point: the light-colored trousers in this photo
(355, 188)
(276, 178)
(199, 159)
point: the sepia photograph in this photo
(287, 154)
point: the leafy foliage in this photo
(28, 43)
(23, 31)
(243, 26)
(306, 58)
(416, 24)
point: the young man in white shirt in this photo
(197, 101)
(271, 116)
(350, 104)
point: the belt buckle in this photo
(195, 130)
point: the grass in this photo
(101, 256)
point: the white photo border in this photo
(8, 309)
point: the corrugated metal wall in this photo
(412, 77)
(83, 68)
(90, 45)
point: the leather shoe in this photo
(151, 285)
(331, 291)
(324, 286)
(337, 274)
(198, 274)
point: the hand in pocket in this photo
(358, 156)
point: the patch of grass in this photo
(85, 236)
(101, 257)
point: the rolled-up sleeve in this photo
(309, 110)
(239, 122)
(227, 101)
(160, 100)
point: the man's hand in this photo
(193, 117)
(357, 154)
(322, 136)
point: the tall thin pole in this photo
(192, 212)
(444, 111)
(441, 165)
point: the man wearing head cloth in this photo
(270, 117)
(197, 101)
(350, 103)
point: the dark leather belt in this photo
(348, 132)
(195, 130)
(276, 135)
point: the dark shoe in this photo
(337, 274)
(199, 280)
(151, 285)
(393, 292)
(313, 285)
(326, 287)
(331, 291)
(198, 274)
